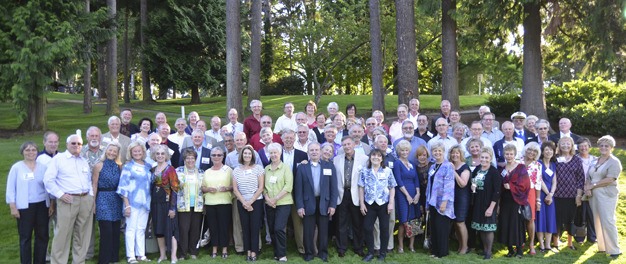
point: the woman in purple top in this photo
(440, 200)
(569, 190)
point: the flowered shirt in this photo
(376, 185)
(135, 184)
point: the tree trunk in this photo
(533, 101)
(145, 77)
(163, 92)
(267, 56)
(113, 107)
(233, 56)
(449, 61)
(102, 71)
(36, 118)
(87, 106)
(254, 79)
(195, 94)
(407, 57)
(378, 100)
(126, 57)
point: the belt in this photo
(107, 189)
(78, 194)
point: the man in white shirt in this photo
(476, 131)
(303, 141)
(114, 135)
(51, 147)
(564, 131)
(287, 120)
(233, 124)
(509, 138)
(414, 111)
(180, 135)
(442, 135)
(489, 131)
(214, 134)
(395, 131)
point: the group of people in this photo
(321, 175)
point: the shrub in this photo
(289, 85)
(504, 105)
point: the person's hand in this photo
(171, 214)
(301, 212)
(488, 212)
(442, 207)
(588, 187)
(51, 210)
(588, 193)
(390, 208)
(579, 200)
(416, 199)
(331, 211)
(211, 189)
(548, 199)
(507, 186)
(304, 162)
(67, 198)
(409, 199)
(14, 212)
(223, 189)
(127, 211)
(363, 209)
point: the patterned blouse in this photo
(135, 184)
(376, 185)
(440, 187)
(534, 173)
(168, 180)
(569, 176)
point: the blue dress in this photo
(462, 197)
(545, 220)
(408, 178)
(108, 202)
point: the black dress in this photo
(461, 197)
(512, 223)
(162, 203)
(487, 191)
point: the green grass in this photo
(65, 117)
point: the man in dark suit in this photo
(564, 131)
(164, 132)
(519, 120)
(315, 191)
(204, 154)
(293, 157)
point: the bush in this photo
(595, 107)
(289, 85)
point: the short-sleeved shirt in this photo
(277, 180)
(248, 180)
(216, 179)
(376, 185)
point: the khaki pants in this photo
(298, 230)
(75, 221)
(603, 204)
(392, 223)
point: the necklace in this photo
(599, 164)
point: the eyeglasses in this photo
(266, 122)
(442, 125)
(216, 155)
(228, 140)
(303, 132)
(488, 119)
(542, 128)
(407, 128)
(370, 124)
(159, 153)
(76, 143)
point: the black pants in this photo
(441, 225)
(277, 221)
(309, 222)
(348, 214)
(109, 242)
(591, 229)
(376, 211)
(189, 224)
(251, 223)
(219, 218)
(33, 218)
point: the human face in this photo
(114, 127)
(519, 123)
(314, 152)
(30, 153)
(530, 125)
(376, 159)
(370, 124)
(442, 127)
(487, 121)
(422, 158)
(357, 133)
(247, 156)
(190, 162)
(52, 143)
(159, 156)
(327, 153)
(509, 156)
(477, 130)
(379, 117)
(507, 130)
(256, 108)
(112, 153)
(401, 113)
(330, 135)
(217, 156)
(565, 146)
(414, 105)
(303, 134)
(275, 155)
(74, 146)
(288, 110)
(266, 122)
(583, 148)
(197, 139)
(531, 154)
(145, 126)
(422, 122)
(445, 107)
(301, 119)
(407, 131)
(404, 153)
(485, 160)
(126, 116)
(180, 126)
(338, 121)
(154, 140)
(310, 109)
(455, 117)
(201, 125)
(458, 133)
(229, 143)
(542, 130)
(267, 137)
(548, 153)
(565, 125)
(455, 155)
(216, 123)
(320, 120)
(160, 118)
(474, 149)
(351, 112)
(94, 138)
(288, 140)
(137, 153)
(348, 146)
(240, 140)
(164, 131)
(331, 110)
(193, 117)
(605, 149)
(232, 116)
(438, 154)
(381, 143)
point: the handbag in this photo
(413, 228)
(525, 211)
(578, 227)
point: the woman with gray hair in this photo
(278, 200)
(29, 203)
(217, 187)
(531, 153)
(163, 208)
(602, 188)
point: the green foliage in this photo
(504, 105)
(289, 85)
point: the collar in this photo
(315, 163)
(288, 151)
(69, 155)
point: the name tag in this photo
(431, 173)
(205, 160)
(560, 159)
(549, 172)
(504, 173)
(390, 164)
(472, 168)
(106, 140)
(138, 170)
(29, 176)
(248, 172)
(273, 179)
(382, 176)
(327, 172)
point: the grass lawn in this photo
(65, 116)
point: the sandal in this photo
(224, 255)
(400, 251)
(214, 255)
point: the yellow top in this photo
(216, 179)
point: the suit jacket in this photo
(305, 194)
(122, 139)
(205, 158)
(360, 161)
(175, 159)
(264, 158)
(527, 135)
(555, 137)
(298, 156)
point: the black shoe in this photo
(381, 257)
(487, 256)
(308, 258)
(324, 258)
(614, 256)
(510, 254)
(342, 254)
(368, 258)
(360, 253)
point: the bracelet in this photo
(126, 207)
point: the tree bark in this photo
(145, 76)
(36, 119)
(449, 59)
(378, 100)
(113, 107)
(233, 56)
(267, 55)
(87, 106)
(254, 79)
(533, 99)
(102, 71)
(126, 57)
(195, 94)
(407, 57)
